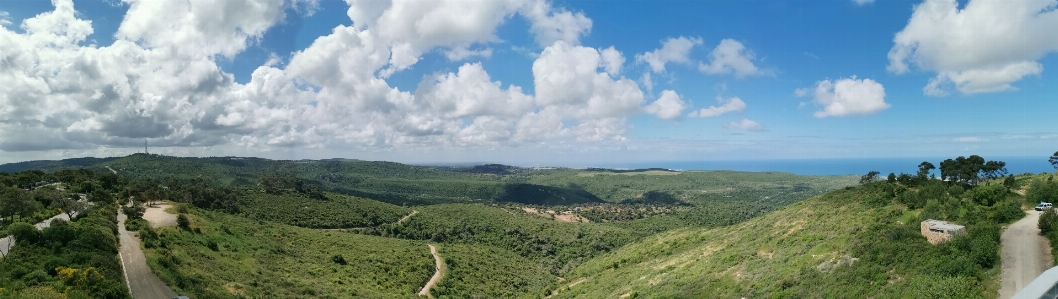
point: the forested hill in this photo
(413, 185)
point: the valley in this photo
(306, 229)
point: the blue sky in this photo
(378, 80)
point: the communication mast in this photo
(145, 146)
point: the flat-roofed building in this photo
(937, 231)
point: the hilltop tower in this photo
(145, 146)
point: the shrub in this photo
(183, 222)
(338, 259)
(1048, 221)
(988, 195)
(1042, 191)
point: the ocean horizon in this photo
(833, 166)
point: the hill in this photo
(852, 243)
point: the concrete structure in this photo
(1044, 286)
(937, 231)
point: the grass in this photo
(334, 211)
(839, 245)
(227, 256)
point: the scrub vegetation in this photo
(251, 227)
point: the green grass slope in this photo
(226, 256)
(558, 246)
(851, 243)
(331, 211)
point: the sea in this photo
(844, 166)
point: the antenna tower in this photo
(145, 146)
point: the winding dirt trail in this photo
(438, 265)
(413, 212)
(1025, 254)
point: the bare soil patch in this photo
(158, 217)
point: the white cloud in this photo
(647, 81)
(672, 50)
(60, 95)
(862, 2)
(460, 53)
(849, 96)
(726, 105)
(744, 125)
(730, 56)
(196, 28)
(5, 18)
(668, 106)
(550, 25)
(800, 92)
(969, 139)
(984, 47)
(612, 61)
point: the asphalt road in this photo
(141, 281)
(1025, 254)
(7, 242)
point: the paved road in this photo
(436, 275)
(1025, 254)
(142, 283)
(7, 242)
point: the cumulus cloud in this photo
(647, 81)
(984, 47)
(731, 57)
(672, 50)
(849, 96)
(726, 105)
(668, 106)
(744, 125)
(59, 94)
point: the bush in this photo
(338, 259)
(988, 195)
(1042, 191)
(183, 222)
(1048, 221)
(133, 212)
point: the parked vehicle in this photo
(1043, 206)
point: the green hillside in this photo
(852, 243)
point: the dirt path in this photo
(141, 281)
(413, 212)
(1025, 254)
(438, 265)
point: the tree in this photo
(1054, 160)
(16, 202)
(994, 169)
(869, 177)
(1042, 191)
(891, 178)
(924, 168)
(70, 206)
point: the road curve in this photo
(141, 281)
(405, 218)
(9, 241)
(1025, 254)
(438, 264)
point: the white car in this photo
(1043, 206)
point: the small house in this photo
(937, 231)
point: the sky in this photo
(528, 82)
